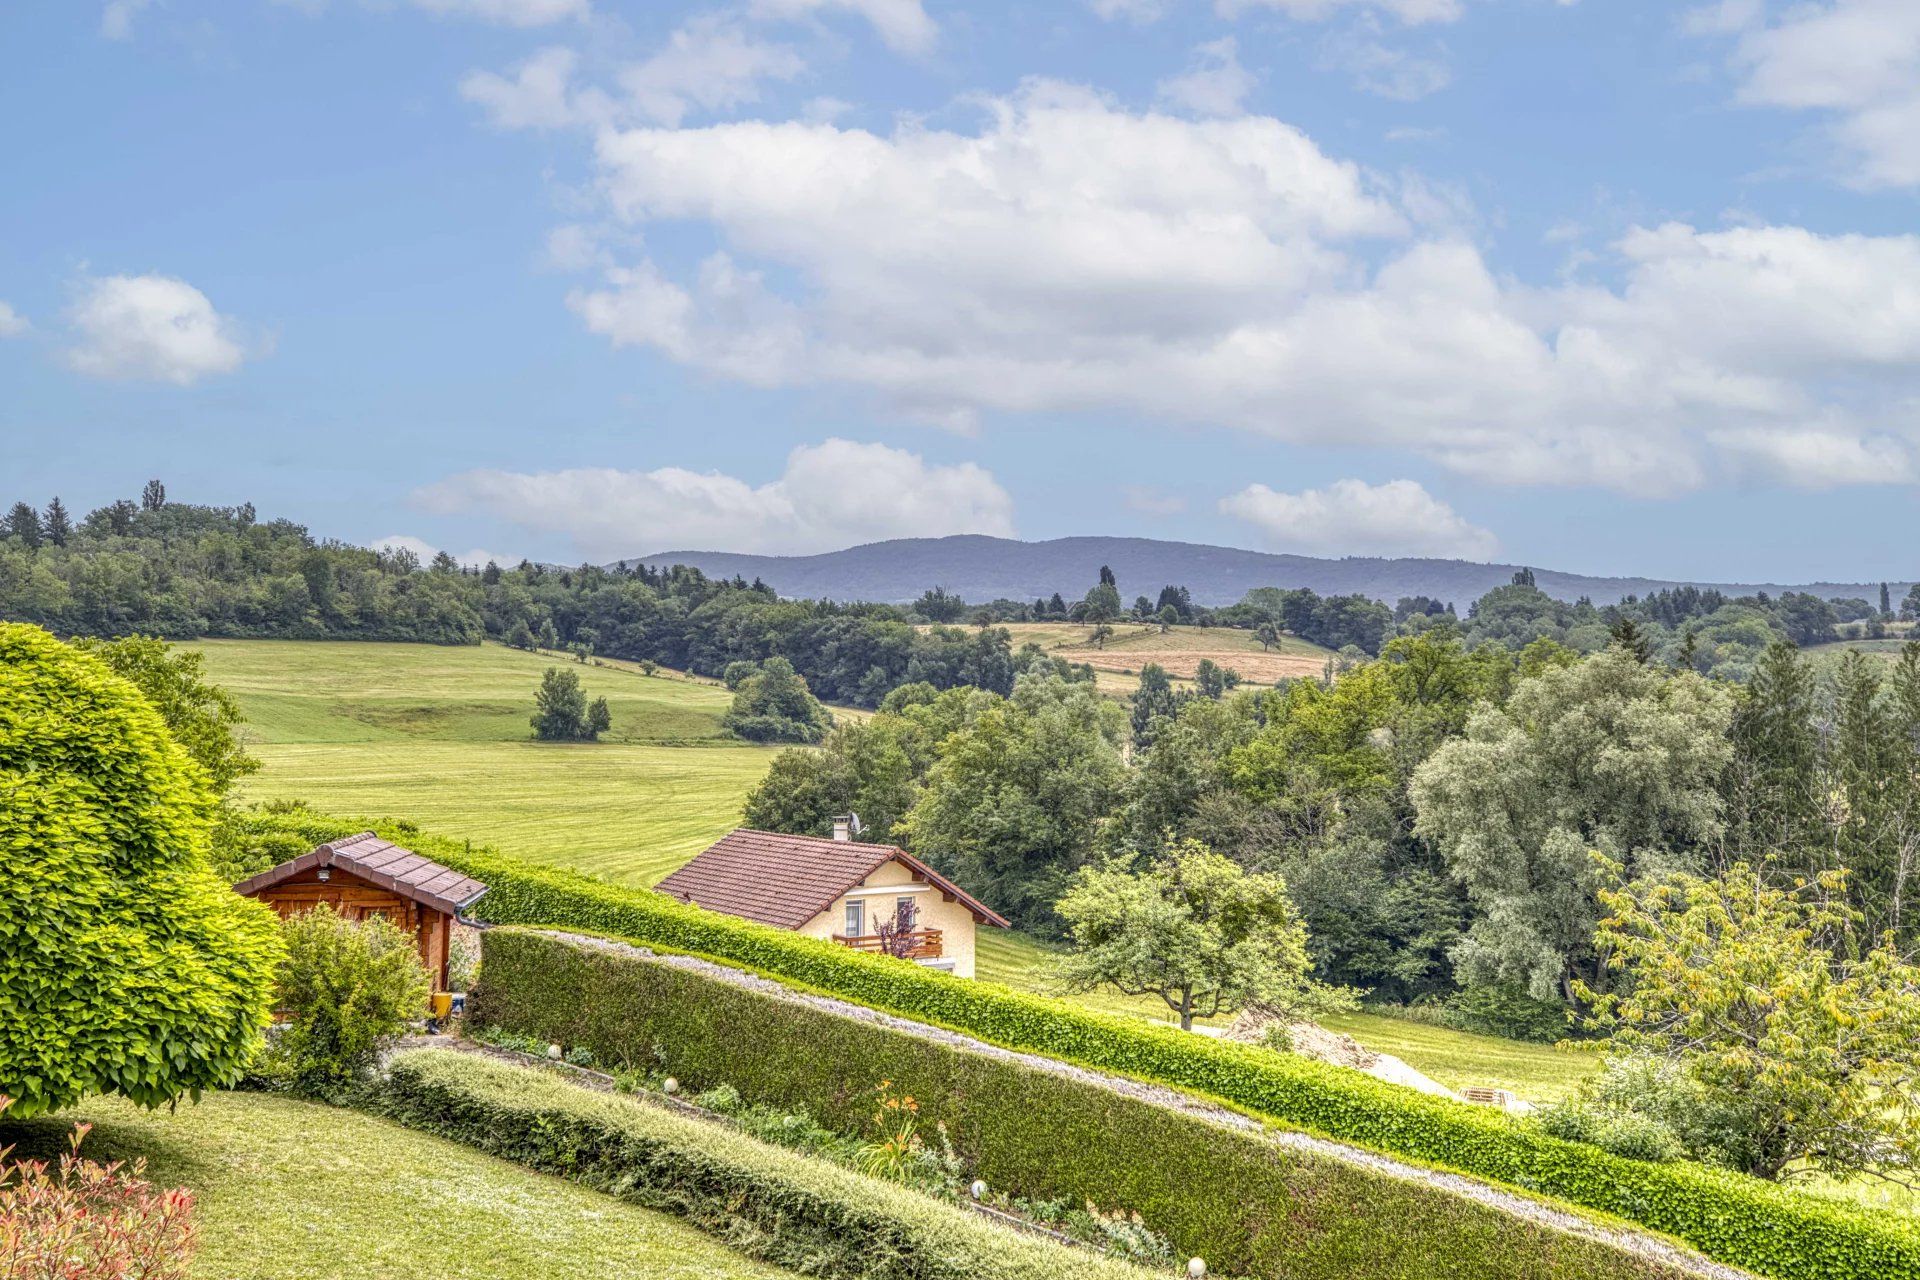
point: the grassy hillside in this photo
(439, 735)
(290, 1190)
(1178, 650)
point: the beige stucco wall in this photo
(955, 922)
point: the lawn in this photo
(290, 1190)
(1537, 1072)
(439, 736)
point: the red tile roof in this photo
(788, 880)
(379, 862)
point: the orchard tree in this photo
(1807, 1059)
(1099, 636)
(1195, 929)
(126, 965)
(1607, 755)
(1168, 617)
(1267, 635)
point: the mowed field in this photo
(1178, 650)
(290, 1190)
(439, 735)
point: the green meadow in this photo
(440, 736)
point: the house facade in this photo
(839, 890)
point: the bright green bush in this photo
(347, 989)
(1246, 1204)
(1740, 1220)
(812, 1216)
(126, 965)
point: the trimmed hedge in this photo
(771, 1204)
(1736, 1219)
(1243, 1202)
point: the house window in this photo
(903, 909)
(856, 917)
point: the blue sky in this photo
(1604, 287)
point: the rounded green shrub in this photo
(348, 989)
(126, 965)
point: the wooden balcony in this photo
(922, 944)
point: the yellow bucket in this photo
(442, 1003)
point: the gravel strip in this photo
(1639, 1243)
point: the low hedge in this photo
(813, 1217)
(1736, 1219)
(1246, 1204)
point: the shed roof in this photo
(380, 862)
(787, 880)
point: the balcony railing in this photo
(921, 944)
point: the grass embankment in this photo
(439, 736)
(290, 1190)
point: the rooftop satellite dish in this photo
(853, 821)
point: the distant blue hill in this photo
(981, 568)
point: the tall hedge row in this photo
(811, 1216)
(1249, 1206)
(1739, 1220)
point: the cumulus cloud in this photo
(1815, 459)
(830, 495)
(12, 323)
(902, 24)
(1352, 517)
(425, 551)
(151, 327)
(1214, 83)
(1856, 61)
(1068, 255)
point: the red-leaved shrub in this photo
(78, 1219)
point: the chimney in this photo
(843, 828)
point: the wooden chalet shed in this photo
(363, 876)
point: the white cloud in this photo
(1411, 12)
(1141, 11)
(1382, 69)
(1352, 517)
(1149, 501)
(1070, 256)
(830, 495)
(902, 24)
(12, 323)
(710, 63)
(425, 551)
(1814, 459)
(1858, 61)
(151, 327)
(508, 13)
(1214, 83)
(536, 97)
(116, 19)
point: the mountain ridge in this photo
(981, 568)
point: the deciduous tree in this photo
(1734, 985)
(1194, 929)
